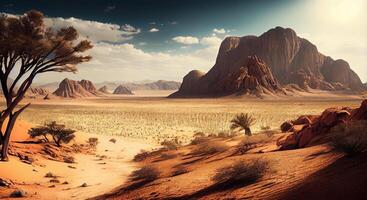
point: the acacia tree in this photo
(28, 48)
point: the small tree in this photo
(58, 132)
(28, 48)
(243, 121)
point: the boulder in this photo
(316, 128)
(76, 89)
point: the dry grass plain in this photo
(157, 118)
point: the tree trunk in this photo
(248, 131)
(6, 139)
(8, 131)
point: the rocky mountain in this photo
(253, 78)
(76, 89)
(292, 60)
(122, 90)
(104, 90)
(156, 85)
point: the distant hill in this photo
(77, 89)
(143, 85)
(122, 90)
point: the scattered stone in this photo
(4, 183)
(113, 140)
(84, 185)
(69, 159)
(18, 193)
(65, 183)
(54, 181)
(50, 175)
(52, 186)
(72, 167)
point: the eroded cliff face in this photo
(291, 59)
(76, 89)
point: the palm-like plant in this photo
(243, 121)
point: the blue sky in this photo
(164, 39)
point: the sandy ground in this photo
(101, 175)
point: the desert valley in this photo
(272, 118)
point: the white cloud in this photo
(95, 31)
(219, 31)
(153, 30)
(187, 40)
(109, 8)
(211, 41)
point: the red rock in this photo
(304, 119)
(286, 126)
(361, 112)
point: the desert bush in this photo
(58, 132)
(93, 141)
(241, 172)
(146, 154)
(145, 174)
(199, 140)
(224, 134)
(170, 144)
(199, 134)
(209, 148)
(113, 140)
(350, 138)
(265, 127)
(248, 142)
(241, 122)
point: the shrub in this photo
(145, 174)
(248, 143)
(265, 127)
(58, 132)
(170, 144)
(350, 138)
(243, 121)
(113, 140)
(199, 140)
(146, 154)
(93, 141)
(243, 172)
(209, 148)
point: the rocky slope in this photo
(37, 92)
(253, 78)
(122, 90)
(76, 89)
(292, 60)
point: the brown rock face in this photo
(254, 78)
(76, 89)
(316, 128)
(122, 90)
(292, 60)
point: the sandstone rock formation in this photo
(76, 89)
(104, 90)
(292, 60)
(122, 90)
(311, 129)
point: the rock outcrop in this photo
(76, 89)
(104, 90)
(122, 90)
(312, 129)
(292, 60)
(156, 85)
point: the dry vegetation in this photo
(159, 119)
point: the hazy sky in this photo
(165, 39)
